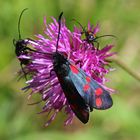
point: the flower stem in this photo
(125, 67)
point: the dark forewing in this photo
(93, 94)
(80, 82)
(76, 102)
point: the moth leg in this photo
(97, 44)
(23, 71)
(50, 73)
(52, 70)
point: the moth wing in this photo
(101, 99)
(93, 93)
(78, 78)
(76, 102)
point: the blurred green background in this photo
(19, 121)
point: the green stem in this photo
(126, 68)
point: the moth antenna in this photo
(105, 36)
(80, 25)
(19, 22)
(59, 24)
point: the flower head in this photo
(44, 80)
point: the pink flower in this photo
(45, 82)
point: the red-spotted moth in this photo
(83, 93)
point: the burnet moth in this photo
(82, 92)
(90, 36)
(21, 46)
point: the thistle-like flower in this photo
(43, 79)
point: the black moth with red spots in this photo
(81, 91)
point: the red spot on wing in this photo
(88, 79)
(84, 113)
(98, 102)
(98, 91)
(86, 87)
(73, 96)
(74, 106)
(74, 69)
